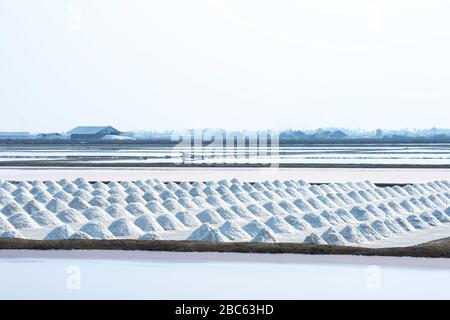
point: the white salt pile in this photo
(97, 230)
(393, 226)
(172, 205)
(169, 222)
(360, 214)
(258, 211)
(331, 236)
(5, 225)
(352, 234)
(210, 216)
(96, 213)
(215, 201)
(11, 234)
(242, 212)
(405, 225)
(303, 206)
(297, 222)
(315, 204)
(279, 225)
(333, 219)
(275, 209)
(253, 227)
(99, 202)
(11, 209)
(21, 220)
(345, 215)
(82, 194)
(33, 206)
(200, 232)
(187, 203)
(416, 222)
(439, 215)
(63, 196)
(138, 209)
(428, 218)
(80, 235)
(233, 231)
(188, 219)
(155, 207)
(117, 211)
(289, 207)
(60, 233)
(135, 198)
(214, 236)
(227, 214)
(71, 216)
(315, 220)
(150, 236)
(264, 236)
(124, 227)
(56, 206)
(313, 239)
(368, 232)
(148, 223)
(46, 218)
(79, 204)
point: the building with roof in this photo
(92, 132)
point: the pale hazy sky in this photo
(232, 64)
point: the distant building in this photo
(15, 135)
(338, 135)
(92, 133)
(51, 136)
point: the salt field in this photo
(170, 275)
(352, 213)
(364, 154)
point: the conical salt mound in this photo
(405, 225)
(231, 199)
(97, 230)
(227, 214)
(134, 198)
(5, 225)
(21, 220)
(279, 225)
(56, 206)
(258, 211)
(148, 223)
(169, 222)
(368, 232)
(188, 204)
(315, 220)
(71, 216)
(345, 215)
(233, 231)
(210, 216)
(188, 219)
(60, 233)
(289, 207)
(416, 222)
(43, 197)
(11, 209)
(150, 236)
(137, 209)
(214, 236)
(20, 191)
(200, 232)
(352, 234)
(360, 214)
(46, 218)
(215, 201)
(297, 222)
(124, 227)
(381, 228)
(117, 211)
(172, 205)
(63, 196)
(428, 218)
(33, 206)
(80, 235)
(253, 227)
(333, 219)
(96, 214)
(11, 234)
(82, 194)
(332, 237)
(100, 193)
(313, 239)
(156, 208)
(23, 199)
(99, 202)
(117, 200)
(393, 226)
(242, 212)
(439, 215)
(264, 236)
(78, 204)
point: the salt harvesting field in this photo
(177, 275)
(353, 213)
(428, 154)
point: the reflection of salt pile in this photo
(62, 232)
(150, 236)
(97, 230)
(264, 236)
(124, 227)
